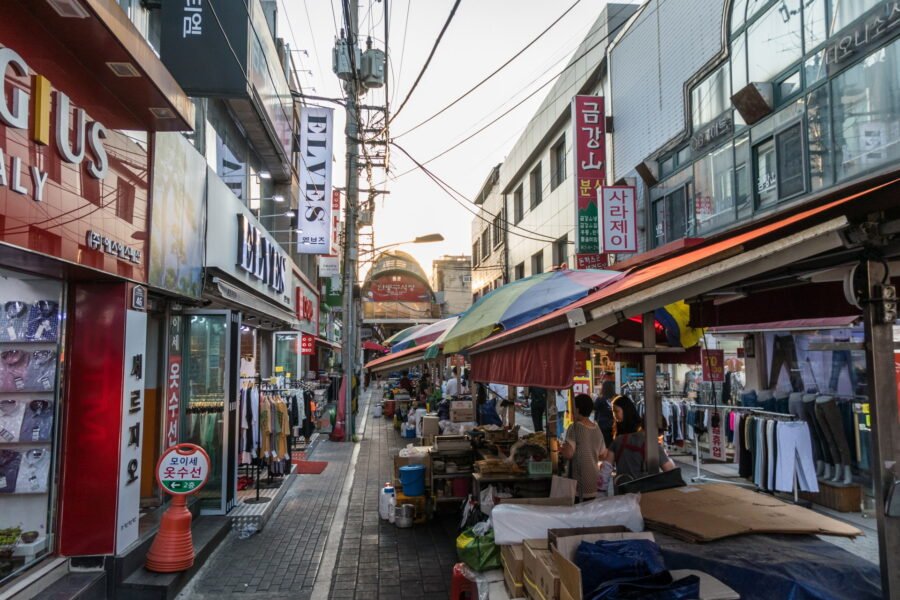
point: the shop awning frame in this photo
(404, 358)
(789, 325)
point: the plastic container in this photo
(392, 505)
(389, 407)
(413, 479)
(384, 502)
(404, 515)
(462, 486)
(540, 467)
(376, 411)
(409, 432)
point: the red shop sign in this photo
(713, 362)
(590, 169)
(307, 345)
(592, 261)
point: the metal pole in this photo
(885, 450)
(651, 404)
(351, 130)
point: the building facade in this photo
(451, 280)
(489, 237)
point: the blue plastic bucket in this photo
(413, 479)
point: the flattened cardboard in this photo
(564, 555)
(716, 510)
(540, 574)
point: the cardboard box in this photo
(463, 404)
(513, 558)
(462, 415)
(430, 426)
(553, 534)
(514, 589)
(564, 554)
(540, 574)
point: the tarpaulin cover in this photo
(778, 566)
(547, 361)
(516, 522)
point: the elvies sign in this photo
(259, 255)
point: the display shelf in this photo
(46, 443)
(451, 475)
(28, 342)
(441, 499)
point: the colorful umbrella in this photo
(429, 333)
(403, 334)
(522, 301)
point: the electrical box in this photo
(372, 73)
(340, 59)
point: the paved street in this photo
(323, 542)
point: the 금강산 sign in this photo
(618, 226)
(589, 147)
(183, 469)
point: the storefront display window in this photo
(711, 97)
(766, 174)
(844, 12)
(204, 395)
(670, 217)
(866, 114)
(714, 190)
(738, 63)
(287, 355)
(30, 335)
(742, 176)
(815, 22)
(774, 40)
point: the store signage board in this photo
(306, 307)
(307, 345)
(315, 209)
(183, 469)
(329, 266)
(619, 218)
(592, 261)
(139, 298)
(705, 137)
(259, 255)
(335, 221)
(713, 362)
(98, 241)
(131, 434)
(589, 149)
(173, 381)
(717, 437)
(878, 25)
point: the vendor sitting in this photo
(627, 451)
(406, 383)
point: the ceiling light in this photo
(265, 175)
(123, 69)
(290, 213)
(276, 197)
(69, 9)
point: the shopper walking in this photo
(583, 448)
(627, 451)
(538, 403)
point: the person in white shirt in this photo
(505, 407)
(562, 405)
(452, 387)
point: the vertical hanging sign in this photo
(173, 381)
(590, 169)
(315, 206)
(619, 222)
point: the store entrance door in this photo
(209, 399)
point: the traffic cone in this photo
(173, 548)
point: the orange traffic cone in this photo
(173, 548)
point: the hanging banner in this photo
(592, 261)
(589, 149)
(717, 422)
(307, 345)
(335, 221)
(713, 362)
(619, 220)
(315, 206)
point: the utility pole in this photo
(349, 331)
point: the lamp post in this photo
(422, 239)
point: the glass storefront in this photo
(287, 355)
(31, 329)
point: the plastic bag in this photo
(604, 478)
(653, 587)
(487, 500)
(622, 559)
(478, 551)
(516, 522)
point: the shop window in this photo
(90, 188)
(787, 87)
(561, 250)
(535, 185)
(866, 119)
(30, 324)
(475, 255)
(815, 23)
(537, 262)
(738, 11)
(711, 97)
(518, 204)
(683, 156)
(520, 271)
(774, 40)
(670, 217)
(818, 133)
(754, 6)
(738, 63)
(485, 243)
(124, 200)
(743, 199)
(558, 163)
(844, 12)
(714, 190)
(791, 172)
(497, 230)
(766, 176)
(667, 166)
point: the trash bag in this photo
(605, 561)
(478, 551)
(653, 587)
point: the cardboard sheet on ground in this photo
(714, 511)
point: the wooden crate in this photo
(842, 498)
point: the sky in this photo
(483, 35)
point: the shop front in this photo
(295, 350)
(74, 225)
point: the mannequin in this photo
(829, 418)
(821, 452)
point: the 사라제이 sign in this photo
(619, 219)
(183, 469)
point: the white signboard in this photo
(329, 266)
(183, 469)
(315, 206)
(131, 437)
(618, 218)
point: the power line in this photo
(405, 35)
(428, 60)
(496, 71)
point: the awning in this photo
(370, 345)
(238, 299)
(547, 361)
(789, 325)
(404, 358)
(329, 343)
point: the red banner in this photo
(307, 344)
(592, 261)
(590, 169)
(713, 362)
(398, 288)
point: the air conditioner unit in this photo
(372, 73)
(754, 101)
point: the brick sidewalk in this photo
(374, 559)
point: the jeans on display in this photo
(820, 448)
(829, 417)
(794, 455)
(765, 400)
(782, 403)
(748, 399)
(839, 360)
(784, 354)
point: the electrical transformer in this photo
(372, 72)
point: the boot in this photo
(827, 473)
(820, 468)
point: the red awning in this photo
(370, 345)
(547, 361)
(398, 359)
(789, 325)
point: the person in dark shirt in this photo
(603, 413)
(406, 383)
(538, 398)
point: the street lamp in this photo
(289, 213)
(422, 239)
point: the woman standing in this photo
(628, 449)
(584, 447)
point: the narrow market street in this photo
(325, 540)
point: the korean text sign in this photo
(316, 201)
(590, 169)
(619, 220)
(307, 345)
(183, 469)
(713, 365)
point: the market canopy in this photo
(426, 334)
(404, 358)
(522, 301)
(370, 345)
(403, 334)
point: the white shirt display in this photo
(34, 471)
(11, 414)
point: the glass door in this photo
(287, 355)
(206, 398)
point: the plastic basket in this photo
(542, 467)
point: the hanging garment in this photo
(737, 426)
(820, 448)
(745, 468)
(771, 454)
(795, 456)
(784, 355)
(829, 418)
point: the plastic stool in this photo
(461, 587)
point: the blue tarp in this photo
(787, 567)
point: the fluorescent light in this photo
(277, 197)
(265, 175)
(290, 213)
